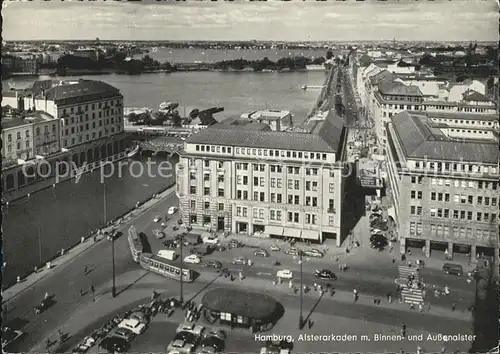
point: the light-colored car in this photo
(133, 324)
(190, 327)
(240, 260)
(275, 248)
(157, 218)
(172, 210)
(212, 240)
(313, 253)
(192, 259)
(180, 346)
(124, 333)
(284, 274)
(215, 333)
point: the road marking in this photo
(235, 270)
(261, 273)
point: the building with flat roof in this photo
(277, 119)
(247, 181)
(445, 187)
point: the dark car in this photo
(451, 268)
(212, 263)
(234, 244)
(214, 342)
(170, 244)
(261, 253)
(188, 337)
(325, 274)
(114, 345)
(44, 305)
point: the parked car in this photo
(188, 337)
(213, 240)
(314, 253)
(215, 344)
(180, 346)
(284, 274)
(172, 210)
(240, 260)
(133, 324)
(123, 333)
(191, 327)
(139, 316)
(215, 333)
(325, 274)
(275, 248)
(192, 259)
(261, 253)
(157, 218)
(114, 345)
(10, 336)
(170, 244)
(212, 263)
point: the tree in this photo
(329, 54)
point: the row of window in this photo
(401, 98)
(281, 153)
(456, 167)
(206, 205)
(27, 133)
(213, 148)
(444, 213)
(458, 232)
(85, 108)
(464, 199)
(76, 120)
(95, 135)
(456, 121)
(87, 127)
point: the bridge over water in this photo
(164, 145)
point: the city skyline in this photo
(411, 21)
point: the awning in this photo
(274, 230)
(310, 234)
(289, 232)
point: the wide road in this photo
(67, 281)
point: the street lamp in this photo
(301, 317)
(113, 288)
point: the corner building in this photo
(280, 183)
(445, 189)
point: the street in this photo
(375, 280)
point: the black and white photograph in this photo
(245, 177)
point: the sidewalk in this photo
(68, 255)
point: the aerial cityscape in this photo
(243, 177)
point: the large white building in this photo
(280, 183)
(87, 110)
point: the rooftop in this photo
(267, 139)
(383, 76)
(240, 302)
(457, 115)
(242, 124)
(24, 119)
(397, 88)
(475, 96)
(270, 114)
(420, 138)
(60, 90)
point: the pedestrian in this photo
(46, 295)
(85, 270)
(36, 269)
(92, 289)
(453, 306)
(420, 308)
(81, 292)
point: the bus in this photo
(163, 267)
(135, 243)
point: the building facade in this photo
(279, 183)
(445, 190)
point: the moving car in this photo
(215, 333)
(451, 268)
(10, 336)
(284, 274)
(180, 346)
(314, 253)
(240, 260)
(157, 218)
(234, 244)
(292, 251)
(188, 337)
(114, 345)
(261, 253)
(190, 327)
(213, 344)
(192, 259)
(275, 248)
(133, 324)
(172, 210)
(123, 333)
(170, 244)
(211, 263)
(325, 274)
(212, 240)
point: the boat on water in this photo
(304, 87)
(133, 152)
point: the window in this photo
(290, 184)
(278, 198)
(273, 197)
(433, 196)
(272, 214)
(238, 211)
(419, 195)
(192, 189)
(296, 184)
(206, 177)
(331, 187)
(245, 180)
(206, 205)
(220, 192)
(412, 228)
(412, 194)
(487, 201)
(245, 212)
(412, 210)
(331, 206)
(255, 195)
(273, 182)
(193, 204)
(262, 196)
(256, 181)
(278, 215)
(331, 220)
(262, 181)
(206, 191)
(206, 163)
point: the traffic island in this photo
(241, 309)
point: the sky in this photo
(457, 20)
